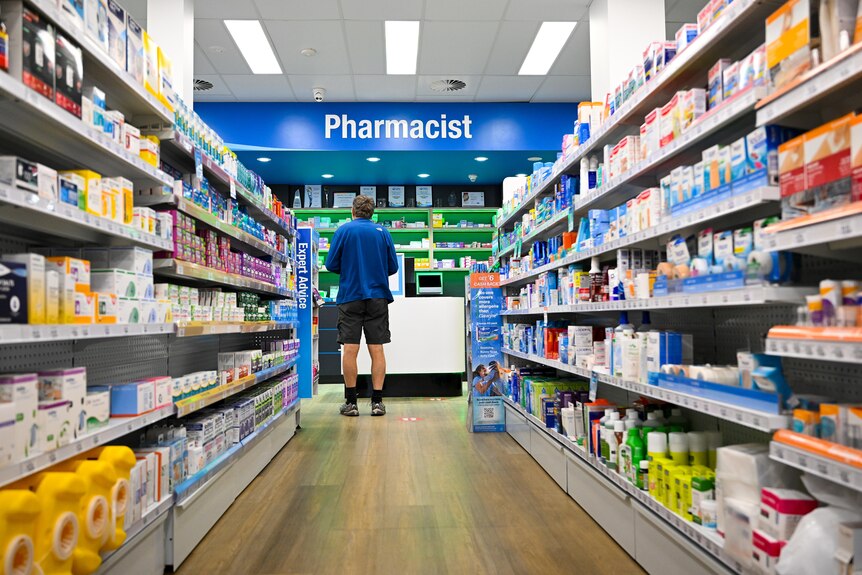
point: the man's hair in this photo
(363, 207)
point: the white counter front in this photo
(427, 337)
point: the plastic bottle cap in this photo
(631, 412)
(644, 464)
(652, 416)
(697, 441)
(615, 415)
(678, 442)
(619, 426)
(656, 442)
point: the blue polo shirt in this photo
(363, 256)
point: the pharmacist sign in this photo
(408, 126)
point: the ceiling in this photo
(482, 42)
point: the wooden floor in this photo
(381, 495)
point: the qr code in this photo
(488, 413)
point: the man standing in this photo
(363, 256)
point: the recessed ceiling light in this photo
(373, 159)
(402, 46)
(481, 159)
(549, 41)
(424, 175)
(254, 45)
(327, 176)
(308, 52)
(264, 159)
(534, 159)
(520, 175)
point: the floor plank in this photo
(382, 495)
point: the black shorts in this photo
(372, 315)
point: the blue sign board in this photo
(306, 239)
(274, 126)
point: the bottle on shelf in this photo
(595, 280)
(623, 330)
(677, 419)
(615, 440)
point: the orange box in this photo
(827, 152)
(788, 39)
(791, 166)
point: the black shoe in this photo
(350, 410)
(377, 408)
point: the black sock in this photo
(377, 396)
(350, 395)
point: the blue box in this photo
(714, 282)
(130, 399)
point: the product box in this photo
(75, 10)
(76, 270)
(131, 399)
(715, 83)
(788, 39)
(791, 167)
(85, 308)
(711, 168)
(132, 143)
(761, 149)
(54, 430)
(738, 160)
(162, 487)
(828, 164)
(693, 107)
(134, 49)
(151, 67)
(670, 121)
(4, 49)
(70, 75)
(149, 311)
(724, 165)
(67, 385)
(117, 33)
(766, 551)
(166, 81)
(7, 434)
(89, 191)
(22, 390)
(37, 65)
(135, 260)
(130, 311)
(14, 292)
(115, 281)
(856, 156)
(52, 297)
(685, 36)
(164, 391)
(47, 182)
(97, 408)
(96, 21)
(107, 308)
(67, 189)
(20, 173)
(34, 265)
(781, 510)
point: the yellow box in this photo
(110, 196)
(89, 190)
(166, 80)
(84, 307)
(52, 296)
(35, 284)
(69, 270)
(151, 66)
(788, 39)
(127, 194)
(150, 150)
(107, 306)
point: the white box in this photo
(35, 284)
(781, 510)
(97, 409)
(117, 33)
(136, 260)
(47, 182)
(96, 21)
(7, 433)
(75, 10)
(67, 385)
(54, 428)
(23, 391)
(135, 53)
(164, 391)
(144, 287)
(119, 282)
(130, 311)
(52, 296)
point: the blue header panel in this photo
(271, 126)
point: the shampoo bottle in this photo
(638, 454)
(678, 446)
(607, 434)
(624, 457)
(615, 440)
(595, 280)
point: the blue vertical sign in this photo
(306, 246)
(486, 303)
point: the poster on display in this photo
(423, 196)
(312, 196)
(486, 358)
(473, 199)
(396, 196)
(370, 191)
(343, 199)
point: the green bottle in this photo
(638, 454)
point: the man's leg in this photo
(349, 334)
(377, 334)
(378, 367)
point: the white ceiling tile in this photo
(513, 42)
(327, 37)
(365, 39)
(574, 59)
(382, 9)
(424, 86)
(260, 88)
(225, 9)
(299, 9)
(383, 88)
(455, 47)
(202, 63)
(220, 87)
(444, 99)
(338, 88)
(209, 33)
(508, 88)
(461, 10)
(564, 89)
(548, 10)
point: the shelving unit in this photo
(25, 333)
(187, 271)
(841, 473)
(193, 329)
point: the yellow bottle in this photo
(122, 459)
(19, 510)
(57, 527)
(94, 512)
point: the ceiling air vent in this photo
(202, 85)
(448, 85)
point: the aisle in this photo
(381, 495)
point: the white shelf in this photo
(122, 90)
(58, 135)
(840, 351)
(557, 222)
(753, 295)
(836, 78)
(53, 218)
(840, 473)
(117, 428)
(673, 224)
(195, 329)
(747, 417)
(829, 234)
(734, 34)
(727, 113)
(696, 535)
(195, 403)
(27, 333)
(186, 270)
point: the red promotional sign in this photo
(485, 280)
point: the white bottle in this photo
(600, 436)
(585, 175)
(615, 440)
(624, 329)
(653, 420)
(607, 435)
(624, 464)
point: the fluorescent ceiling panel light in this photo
(534, 159)
(264, 159)
(254, 45)
(521, 175)
(327, 176)
(424, 175)
(546, 47)
(372, 159)
(481, 159)
(402, 46)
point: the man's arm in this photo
(393, 258)
(333, 258)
